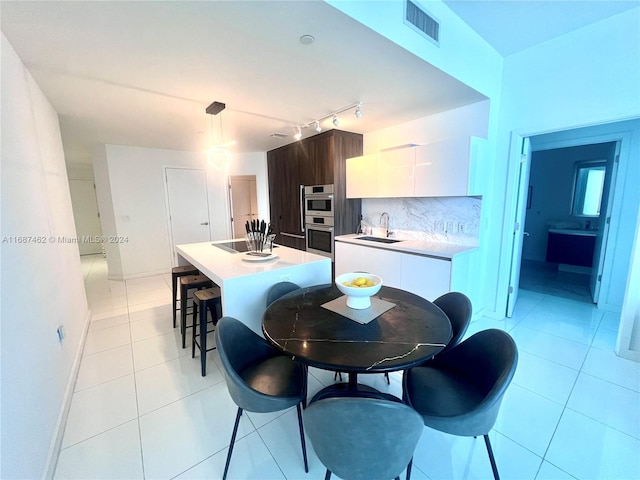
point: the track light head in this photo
(318, 127)
(336, 122)
(298, 134)
(358, 111)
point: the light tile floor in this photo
(142, 410)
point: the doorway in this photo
(187, 206)
(86, 215)
(564, 243)
(609, 274)
(243, 202)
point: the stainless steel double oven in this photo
(318, 219)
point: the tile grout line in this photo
(135, 384)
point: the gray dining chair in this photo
(279, 289)
(458, 308)
(259, 378)
(363, 438)
(460, 391)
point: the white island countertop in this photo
(244, 284)
(413, 246)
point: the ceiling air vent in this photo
(279, 135)
(421, 22)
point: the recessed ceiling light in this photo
(307, 39)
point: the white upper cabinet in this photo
(447, 168)
(396, 173)
(362, 176)
(441, 169)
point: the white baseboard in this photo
(56, 441)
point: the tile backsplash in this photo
(435, 219)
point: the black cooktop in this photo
(234, 246)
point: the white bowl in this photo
(358, 297)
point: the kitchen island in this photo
(244, 280)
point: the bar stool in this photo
(177, 272)
(210, 300)
(189, 282)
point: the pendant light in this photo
(217, 154)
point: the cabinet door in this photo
(442, 168)
(348, 258)
(284, 191)
(425, 276)
(385, 264)
(396, 173)
(362, 176)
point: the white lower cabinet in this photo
(425, 276)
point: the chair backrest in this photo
(488, 360)
(280, 289)
(239, 347)
(458, 308)
(363, 438)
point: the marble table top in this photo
(402, 337)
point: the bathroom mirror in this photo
(588, 185)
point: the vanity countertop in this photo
(574, 231)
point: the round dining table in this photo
(410, 332)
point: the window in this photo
(587, 188)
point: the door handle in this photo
(205, 223)
(526, 234)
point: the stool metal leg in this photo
(203, 340)
(194, 316)
(174, 286)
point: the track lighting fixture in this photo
(333, 115)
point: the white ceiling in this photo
(142, 73)
(513, 25)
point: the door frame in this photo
(624, 137)
(167, 210)
(230, 196)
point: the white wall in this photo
(133, 178)
(628, 344)
(588, 77)
(42, 283)
(107, 213)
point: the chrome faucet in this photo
(384, 222)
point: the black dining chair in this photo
(360, 438)
(279, 289)
(259, 378)
(458, 308)
(460, 391)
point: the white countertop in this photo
(414, 246)
(573, 231)
(220, 265)
(245, 285)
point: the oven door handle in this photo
(302, 208)
(315, 226)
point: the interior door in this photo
(85, 215)
(244, 203)
(188, 206)
(603, 230)
(518, 225)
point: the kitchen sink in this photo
(378, 239)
